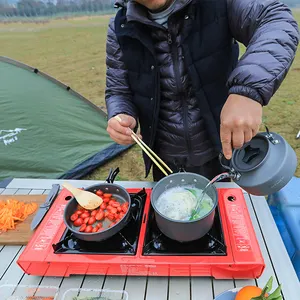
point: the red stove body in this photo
(228, 251)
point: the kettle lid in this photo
(251, 155)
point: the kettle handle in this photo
(270, 137)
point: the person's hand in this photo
(240, 121)
(119, 130)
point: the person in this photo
(173, 71)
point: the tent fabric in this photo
(47, 130)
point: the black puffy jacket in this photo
(266, 27)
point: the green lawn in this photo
(73, 51)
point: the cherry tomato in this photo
(85, 215)
(103, 206)
(95, 229)
(82, 227)
(106, 214)
(99, 216)
(106, 200)
(111, 217)
(92, 220)
(116, 204)
(124, 209)
(122, 214)
(99, 225)
(113, 210)
(74, 217)
(106, 195)
(78, 212)
(85, 220)
(109, 207)
(88, 229)
(78, 222)
(119, 209)
(94, 212)
(99, 193)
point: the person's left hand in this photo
(240, 121)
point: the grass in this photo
(73, 51)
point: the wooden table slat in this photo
(9, 192)
(37, 192)
(72, 282)
(135, 287)
(201, 288)
(114, 282)
(222, 285)
(157, 288)
(179, 288)
(93, 282)
(7, 255)
(14, 273)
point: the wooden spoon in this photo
(85, 199)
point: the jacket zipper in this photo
(180, 90)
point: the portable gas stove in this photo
(229, 250)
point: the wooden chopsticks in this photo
(148, 151)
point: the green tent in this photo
(47, 130)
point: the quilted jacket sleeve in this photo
(118, 96)
(270, 33)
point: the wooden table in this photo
(276, 258)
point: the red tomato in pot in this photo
(91, 220)
(119, 209)
(113, 210)
(106, 200)
(82, 228)
(107, 195)
(109, 207)
(95, 229)
(74, 217)
(85, 215)
(78, 222)
(94, 212)
(99, 193)
(99, 225)
(88, 229)
(103, 206)
(78, 212)
(85, 220)
(111, 217)
(99, 216)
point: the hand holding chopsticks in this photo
(151, 154)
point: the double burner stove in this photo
(228, 250)
(125, 242)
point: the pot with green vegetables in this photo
(174, 199)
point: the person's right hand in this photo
(119, 130)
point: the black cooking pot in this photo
(184, 231)
(118, 192)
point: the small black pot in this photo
(184, 231)
(109, 187)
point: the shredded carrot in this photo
(13, 211)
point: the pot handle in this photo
(112, 175)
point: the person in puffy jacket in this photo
(173, 70)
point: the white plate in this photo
(228, 295)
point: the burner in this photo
(124, 242)
(156, 243)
